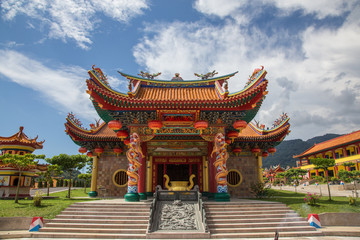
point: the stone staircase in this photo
(255, 219)
(99, 219)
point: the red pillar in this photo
(142, 174)
(309, 174)
(317, 172)
(333, 152)
(336, 170)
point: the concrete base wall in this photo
(15, 223)
(247, 166)
(339, 219)
(108, 164)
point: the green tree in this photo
(21, 163)
(347, 164)
(69, 163)
(350, 175)
(40, 183)
(324, 164)
(86, 177)
(52, 171)
(295, 173)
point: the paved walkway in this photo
(25, 235)
(335, 190)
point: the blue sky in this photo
(310, 49)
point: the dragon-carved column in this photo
(221, 156)
(134, 155)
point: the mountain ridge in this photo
(288, 148)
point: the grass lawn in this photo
(49, 207)
(296, 202)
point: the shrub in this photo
(311, 198)
(319, 179)
(37, 198)
(260, 190)
(352, 201)
(335, 180)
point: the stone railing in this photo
(153, 210)
(170, 196)
(202, 213)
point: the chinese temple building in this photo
(176, 133)
(271, 173)
(20, 144)
(343, 149)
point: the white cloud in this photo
(219, 8)
(244, 11)
(64, 87)
(321, 8)
(71, 19)
(315, 82)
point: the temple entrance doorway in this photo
(177, 171)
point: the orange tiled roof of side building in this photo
(332, 143)
(22, 138)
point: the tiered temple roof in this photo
(191, 100)
(151, 95)
(20, 140)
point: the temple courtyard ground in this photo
(335, 190)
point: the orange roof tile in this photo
(331, 144)
(178, 94)
(101, 133)
(251, 133)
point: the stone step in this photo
(94, 216)
(263, 229)
(258, 212)
(246, 216)
(209, 205)
(87, 235)
(271, 235)
(115, 203)
(110, 206)
(96, 225)
(246, 208)
(257, 224)
(255, 220)
(99, 221)
(107, 209)
(105, 213)
(93, 230)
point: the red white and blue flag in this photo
(36, 224)
(313, 220)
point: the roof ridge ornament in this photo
(281, 119)
(254, 75)
(100, 75)
(148, 75)
(207, 75)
